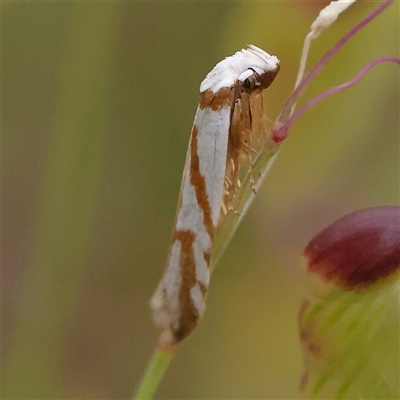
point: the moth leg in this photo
(251, 176)
(250, 151)
(228, 184)
(252, 180)
(223, 208)
(233, 166)
(237, 212)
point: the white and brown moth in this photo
(230, 111)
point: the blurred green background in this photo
(98, 102)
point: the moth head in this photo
(253, 68)
(252, 80)
(261, 70)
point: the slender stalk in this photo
(155, 371)
(300, 89)
(244, 198)
(265, 157)
(282, 132)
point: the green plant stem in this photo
(244, 197)
(154, 373)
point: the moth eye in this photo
(252, 81)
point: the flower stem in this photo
(300, 89)
(282, 132)
(154, 373)
(244, 197)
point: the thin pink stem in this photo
(281, 133)
(285, 113)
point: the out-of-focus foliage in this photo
(98, 101)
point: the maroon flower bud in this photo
(358, 249)
(349, 320)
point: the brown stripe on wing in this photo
(215, 101)
(188, 313)
(199, 184)
(239, 135)
(203, 287)
(246, 128)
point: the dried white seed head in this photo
(328, 16)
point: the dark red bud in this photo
(358, 249)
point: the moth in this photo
(229, 113)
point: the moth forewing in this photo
(226, 122)
(258, 118)
(179, 300)
(246, 129)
